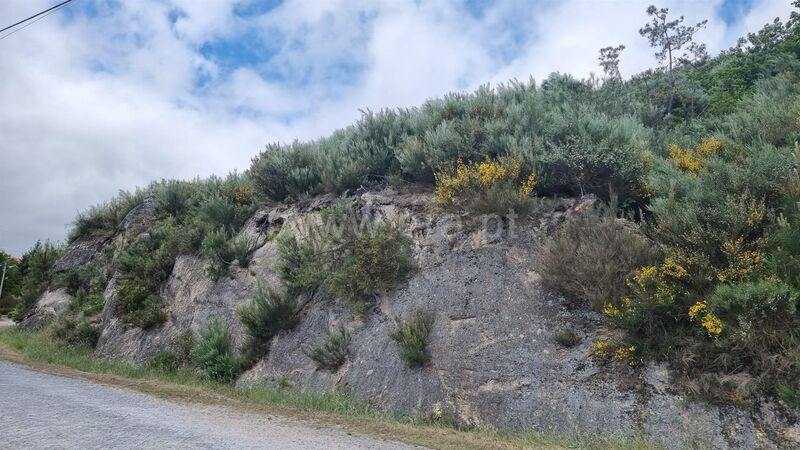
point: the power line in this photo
(38, 16)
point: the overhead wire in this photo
(33, 19)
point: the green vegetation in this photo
(165, 361)
(268, 312)
(331, 353)
(13, 283)
(103, 220)
(199, 217)
(350, 262)
(222, 250)
(298, 264)
(412, 337)
(214, 355)
(488, 187)
(35, 271)
(75, 331)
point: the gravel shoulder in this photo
(40, 410)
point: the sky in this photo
(107, 95)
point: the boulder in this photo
(47, 307)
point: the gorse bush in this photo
(489, 186)
(176, 198)
(331, 353)
(412, 337)
(214, 355)
(760, 315)
(268, 312)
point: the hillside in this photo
(572, 256)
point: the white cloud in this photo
(93, 104)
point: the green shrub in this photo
(590, 258)
(165, 361)
(35, 271)
(281, 172)
(175, 198)
(138, 306)
(183, 345)
(145, 264)
(589, 152)
(219, 212)
(566, 338)
(331, 353)
(74, 331)
(105, 218)
(790, 396)
(222, 251)
(93, 304)
(213, 353)
(268, 312)
(412, 337)
(380, 259)
(298, 265)
(86, 304)
(760, 314)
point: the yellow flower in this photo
(692, 160)
(672, 268)
(712, 324)
(527, 187)
(601, 349)
(611, 311)
(475, 178)
(697, 309)
(437, 412)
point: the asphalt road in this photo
(39, 410)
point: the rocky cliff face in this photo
(494, 361)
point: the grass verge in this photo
(40, 352)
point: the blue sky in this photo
(109, 94)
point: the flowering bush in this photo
(692, 159)
(488, 186)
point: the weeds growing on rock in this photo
(351, 264)
(331, 353)
(268, 312)
(412, 337)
